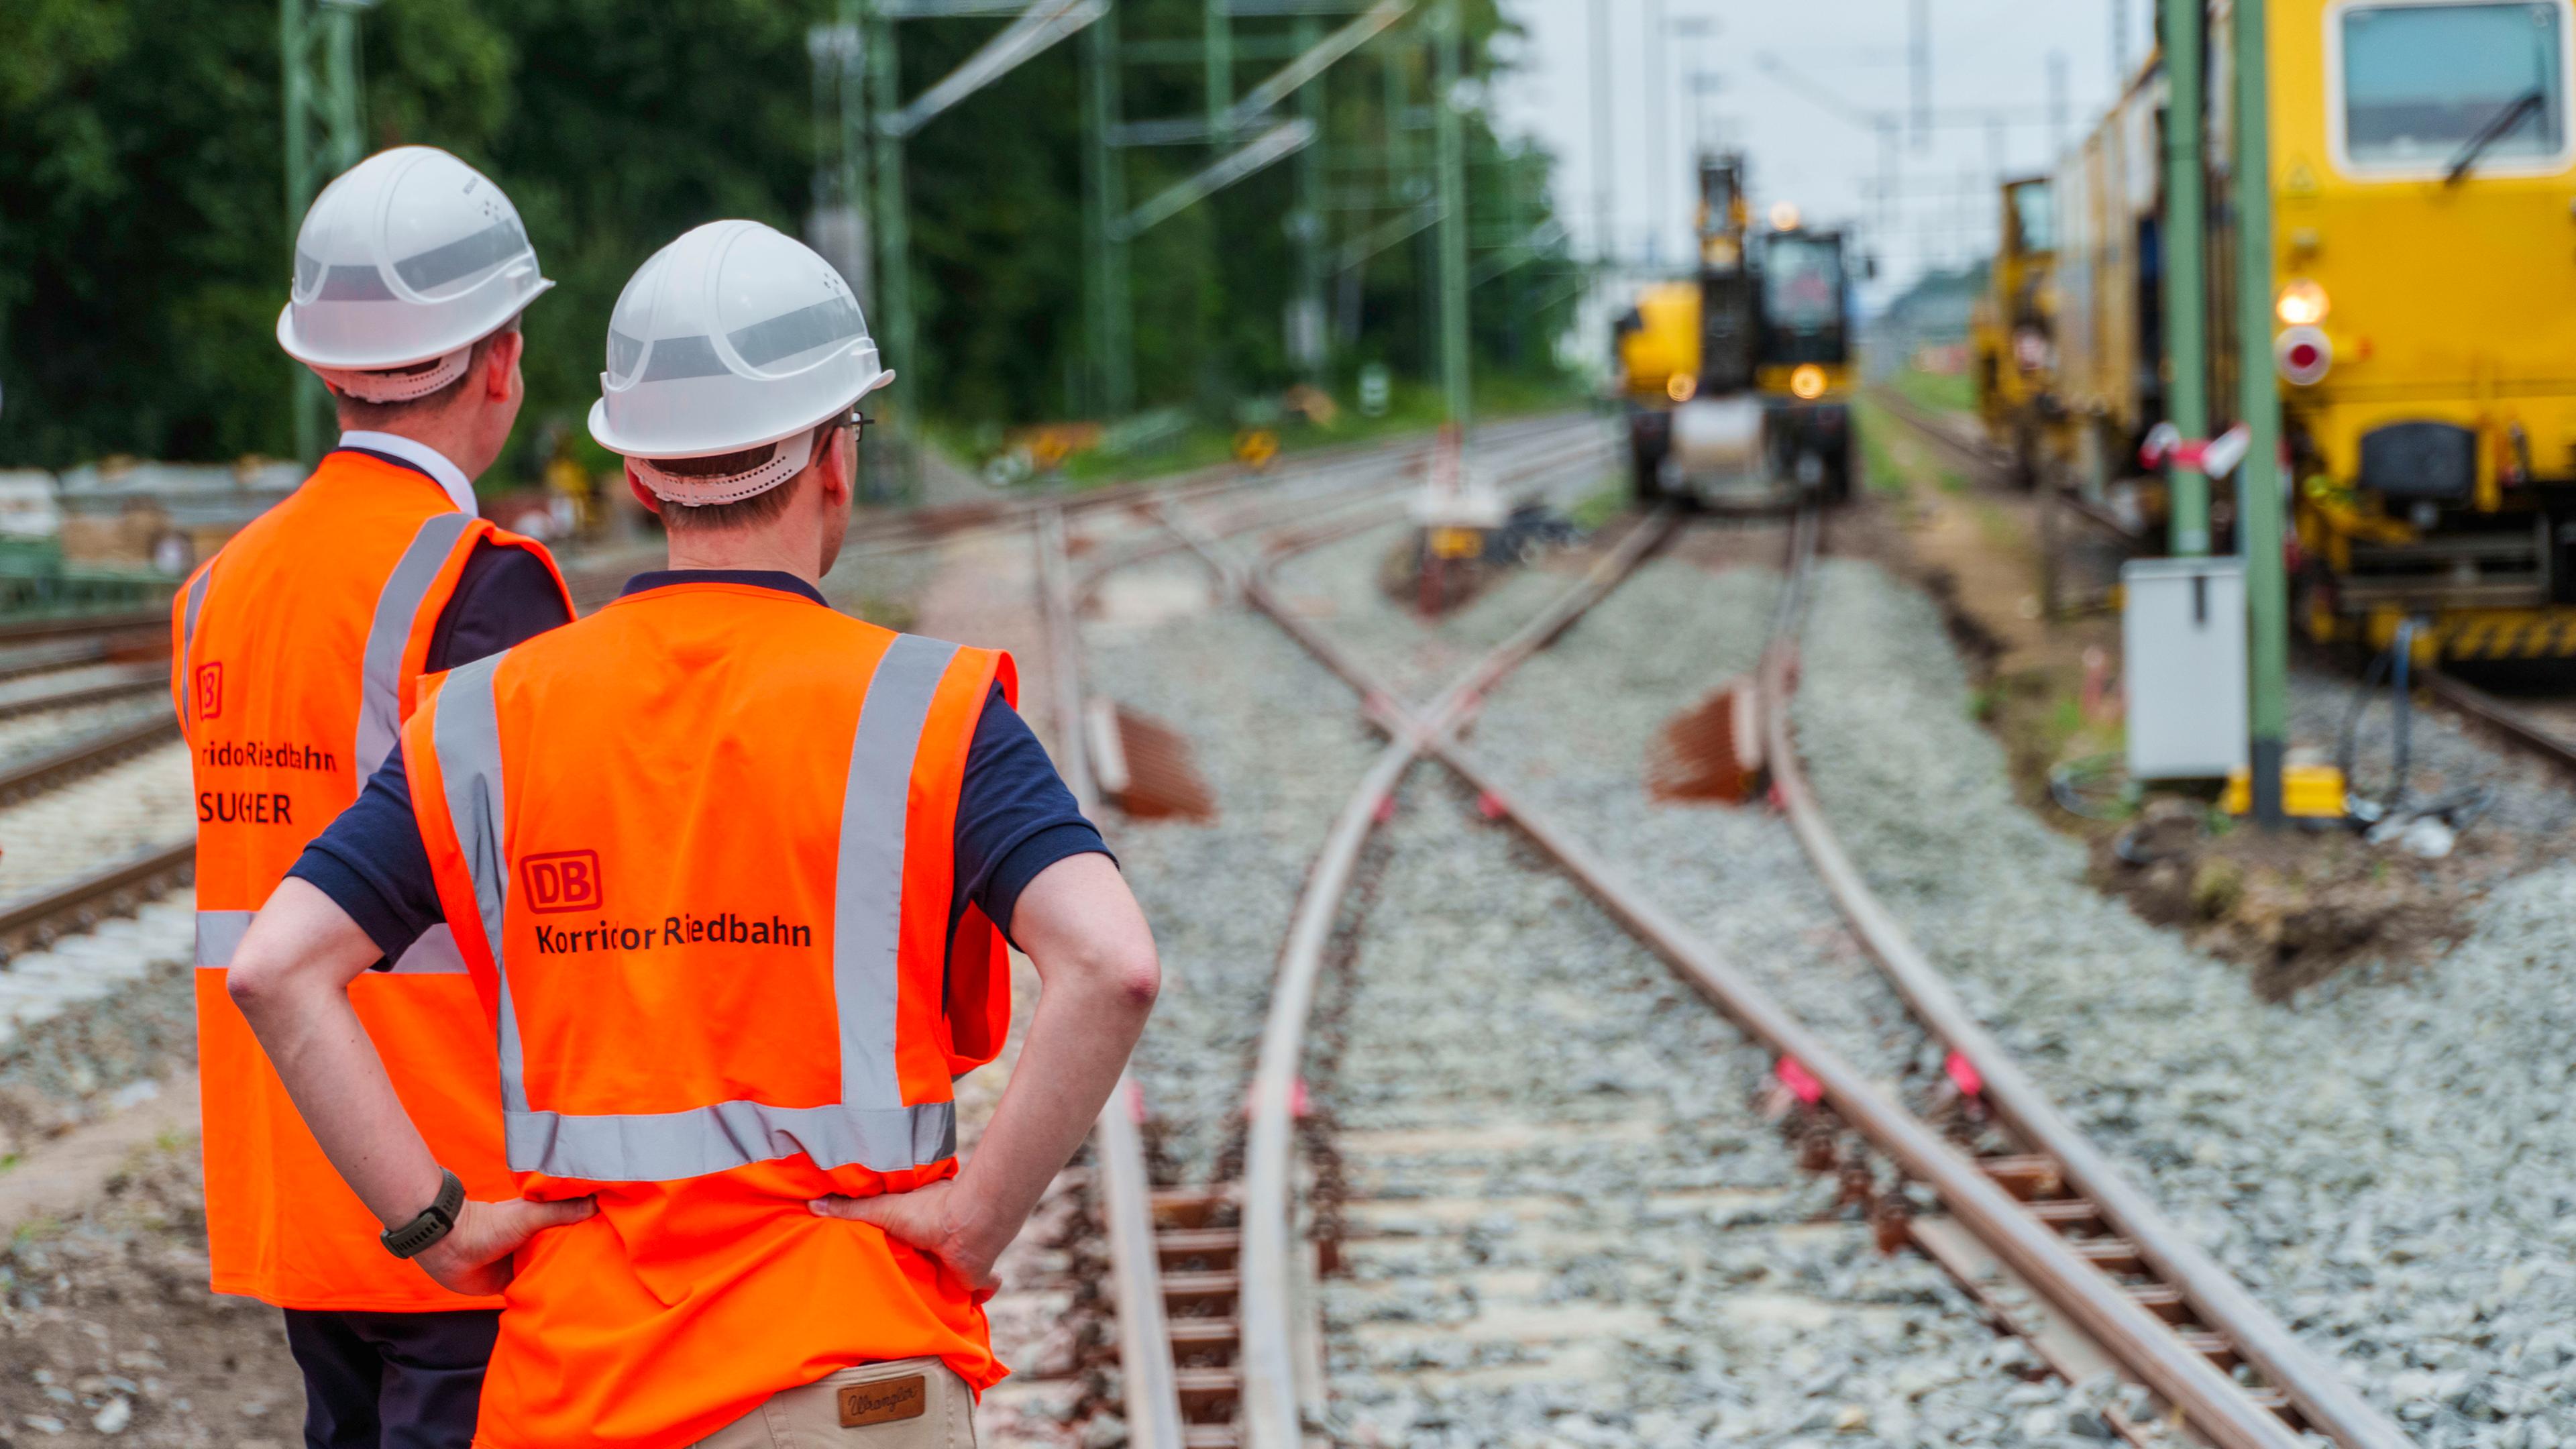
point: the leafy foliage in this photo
(143, 235)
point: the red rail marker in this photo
(1490, 805)
(1385, 810)
(1801, 1083)
(1963, 1075)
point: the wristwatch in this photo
(415, 1237)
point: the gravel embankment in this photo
(2385, 1163)
(1281, 743)
(1571, 1224)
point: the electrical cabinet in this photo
(2182, 637)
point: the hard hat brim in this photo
(293, 344)
(627, 447)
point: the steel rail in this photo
(104, 621)
(2514, 724)
(42, 917)
(2208, 1397)
(1273, 1415)
(89, 752)
(1148, 1380)
(81, 685)
(1398, 471)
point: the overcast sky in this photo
(1990, 98)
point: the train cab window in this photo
(2034, 217)
(2428, 85)
(1802, 283)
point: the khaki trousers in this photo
(909, 1403)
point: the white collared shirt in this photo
(460, 489)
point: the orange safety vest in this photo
(697, 850)
(297, 652)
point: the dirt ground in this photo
(2293, 907)
(108, 1333)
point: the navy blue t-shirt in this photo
(1014, 815)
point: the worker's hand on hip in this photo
(930, 1218)
(474, 1257)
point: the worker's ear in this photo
(652, 504)
(839, 473)
(501, 365)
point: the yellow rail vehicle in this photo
(2423, 180)
(1736, 384)
(2013, 331)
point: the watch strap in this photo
(433, 1222)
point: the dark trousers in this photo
(391, 1380)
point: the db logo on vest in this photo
(561, 880)
(210, 690)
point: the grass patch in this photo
(1940, 392)
(1599, 506)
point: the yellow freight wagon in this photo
(2423, 181)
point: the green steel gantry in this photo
(2186, 299)
(325, 111)
(1242, 129)
(2258, 478)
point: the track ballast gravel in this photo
(1571, 1222)
(2385, 1164)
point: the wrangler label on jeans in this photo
(885, 1402)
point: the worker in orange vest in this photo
(731, 871)
(299, 648)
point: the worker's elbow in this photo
(1137, 980)
(252, 981)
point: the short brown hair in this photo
(373, 416)
(761, 507)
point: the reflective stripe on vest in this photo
(188, 639)
(380, 700)
(871, 1126)
(219, 935)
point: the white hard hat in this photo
(732, 337)
(411, 256)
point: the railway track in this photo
(2057, 1246)
(1176, 1254)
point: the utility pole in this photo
(1918, 65)
(2186, 245)
(1220, 70)
(1657, 133)
(1602, 246)
(2258, 478)
(1113, 361)
(1448, 34)
(325, 135)
(1306, 223)
(893, 223)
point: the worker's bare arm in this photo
(290, 977)
(1095, 958)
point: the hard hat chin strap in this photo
(395, 387)
(788, 458)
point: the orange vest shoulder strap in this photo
(975, 1014)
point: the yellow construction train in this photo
(2423, 185)
(1736, 382)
